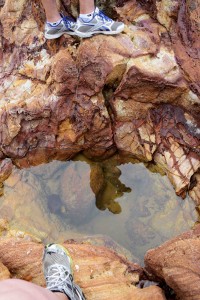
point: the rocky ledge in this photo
(104, 274)
(177, 263)
(101, 273)
(137, 93)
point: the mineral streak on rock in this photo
(105, 93)
(195, 188)
(100, 272)
(5, 169)
(176, 262)
(167, 137)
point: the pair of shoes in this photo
(57, 265)
(99, 23)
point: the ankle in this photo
(88, 16)
(55, 23)
(53, 18)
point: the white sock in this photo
(55, 23)
(87, 17)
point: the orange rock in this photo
(195, 189)
(177, 263)
(100, 272)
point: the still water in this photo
(122, 200)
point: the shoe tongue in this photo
(96, 10)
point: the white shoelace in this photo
(58, 278)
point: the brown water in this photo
(121, 199)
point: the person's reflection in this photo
(105, 183)
(111, 187)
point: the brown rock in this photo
(181, 20)
(100, 272)
(5, 169)
(185, 36)
(25, 199)
(177, 263)
(170, 137)
(195, 189)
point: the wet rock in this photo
(55, 204)
(140, 233)
(76, 193)
(155, 213)
(100, 272)
(47, 171)
(176, 262)
(24, 205)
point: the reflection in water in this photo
(113, 189)
(124, 200)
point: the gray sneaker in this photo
(58, 272)
(100, 23)
(66, 25)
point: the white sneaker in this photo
(58, 272)
(66, 25)
(99, 23)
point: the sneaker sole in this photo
(80, 292)
(56, 36)
(89, 34)
(83, 35)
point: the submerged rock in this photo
(24, 205)
(155, 213)
(76, 193)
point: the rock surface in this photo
(104, 93)
(195, 188)
(101, 273)
(76, 194)
(24, 206)
(176, 262)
